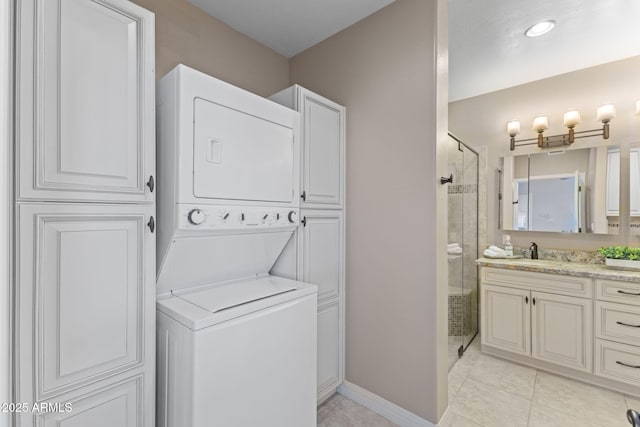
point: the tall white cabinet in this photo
(316, 252)
(84, 316)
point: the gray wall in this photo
(383, 69)
(482, 120)
(187, 35)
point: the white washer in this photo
(234, 363)
(236, 347)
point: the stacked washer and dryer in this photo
(235, 345)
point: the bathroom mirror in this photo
(562, 190)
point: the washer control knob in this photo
(292, 216)
(196, 216)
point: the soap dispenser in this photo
(508, 247)
(533, 249)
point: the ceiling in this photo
(488, 50)
(487, 47)
(290, 26)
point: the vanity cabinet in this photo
(617, 331)
(577, 322)
(544, 326)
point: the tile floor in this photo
(339, 411)
(485, 391)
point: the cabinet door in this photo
(613, 182)
(634, 181)
(323, 151)
(329, 350)
(86, 296)
(562, 330)
(86, 100)
(323, 251)
(506, 319)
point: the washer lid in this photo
(235, 294)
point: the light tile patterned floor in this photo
(485, 391)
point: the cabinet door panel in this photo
(87, 131)
(329, 343)
(322, 251)
(562, 330)
(507, 319)
(86, 274)
(115, 406)
(323, 151)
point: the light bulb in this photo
(513, 128)
(606, 113)
(540, 124)
(571, 118)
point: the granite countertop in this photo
(598, 271)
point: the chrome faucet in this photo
(533, 250)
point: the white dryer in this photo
(236, 347)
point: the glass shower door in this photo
(462, 250)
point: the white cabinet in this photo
(84, 327)
(86, 296)
(322, 251)
(541, 325)
(634, 181)
(329, 349)
(85, 97)
(316, 253)
(322, 263)
(323, 147)
(561, 330)
(507, 319)
(613, 182)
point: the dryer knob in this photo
(292, 216)
(196, 216)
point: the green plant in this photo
(620, 252)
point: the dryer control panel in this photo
(202, 217)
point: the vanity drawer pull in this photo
(626, 324)
(628, 366)
(628, 293)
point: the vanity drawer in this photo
(623, 292)
(544, 282)
(617, 361)
(618, 322)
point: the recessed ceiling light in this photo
(540, 28)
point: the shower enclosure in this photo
(462, 250)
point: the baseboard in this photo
(381, 406)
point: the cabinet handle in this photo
(151, 183)
(152, 224)
(444, 180)
(628, 366)
(303, 196)
(533, 301)
(304, 221)
(626, 324)
(526, 300)
(628, 293)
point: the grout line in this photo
(533, 393)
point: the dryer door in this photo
(238, 156)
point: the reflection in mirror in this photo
(566, 191)
(634, 189)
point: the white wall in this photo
(5, 202)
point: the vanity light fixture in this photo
(571, 119)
